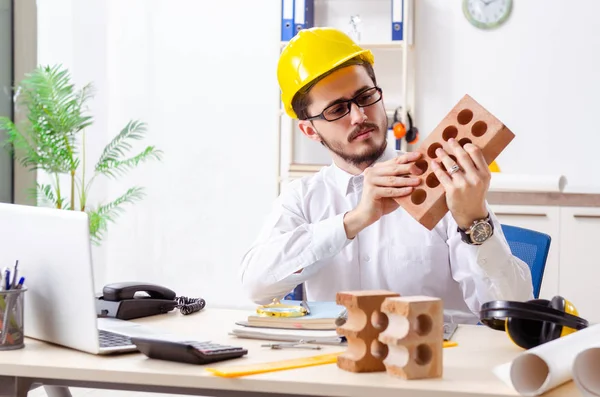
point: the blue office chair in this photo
(297, 294)
(532, 248)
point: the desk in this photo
(467, 368)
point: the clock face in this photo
(487, 14)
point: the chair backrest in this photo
(297, 294)
(531, 247)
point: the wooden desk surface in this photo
(467, 367)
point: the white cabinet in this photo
(545, 219)
(580, 259)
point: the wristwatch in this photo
(478, 232)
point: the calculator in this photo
(192, 352)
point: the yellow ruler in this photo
(251, 369)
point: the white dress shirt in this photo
(305, 231)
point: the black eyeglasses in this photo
(338, 110)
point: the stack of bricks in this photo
(386, 332)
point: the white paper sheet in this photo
(527, 183)
(586, 372)
(537, 370)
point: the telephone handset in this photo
(127, 290)
(130, 300)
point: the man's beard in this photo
(368, 157)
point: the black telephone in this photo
(130, 300)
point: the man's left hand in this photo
(467, 186)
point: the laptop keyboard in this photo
(110, 339)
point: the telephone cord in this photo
(189, 305)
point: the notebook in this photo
(288, 335)
(322, 317)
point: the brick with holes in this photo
(414, 336)
(365, 321)
(467, 122)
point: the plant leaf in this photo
(114, 168)
(55, 114)
(101, 216)
(119, 146)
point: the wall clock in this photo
(487, 14)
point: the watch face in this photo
(481, 232)
(487, 14)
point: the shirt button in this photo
(483, 261)
(330, 249)
(367, 258)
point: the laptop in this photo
(54, 252)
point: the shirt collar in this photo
(347, 182)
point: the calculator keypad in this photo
(212, 348)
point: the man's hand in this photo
(466, 188)
(382, 182)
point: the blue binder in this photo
(397, 19)
(304, 14)
(287, 20)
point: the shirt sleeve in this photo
(488, 271)
(289, 249)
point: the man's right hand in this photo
(382, 182)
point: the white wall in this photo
(538, 73)
(204, 79)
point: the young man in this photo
(341, 230)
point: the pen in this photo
(304, 304)
(14, 280)
(7, 279)
(20, 284)
(341, 320)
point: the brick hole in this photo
(464, 116)
(423, 324)
(418, 196)
(432, 181)
(422, 164)
(379, 320)
(479, 128)
(450, 132)
(432, 148)
(423, 354)
(379, 350)
(464, 141)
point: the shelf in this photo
(391, 45)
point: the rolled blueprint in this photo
(502, 182)
(537, 370)
(586, 372)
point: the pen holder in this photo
(11, 319)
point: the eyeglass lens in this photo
(366, 98)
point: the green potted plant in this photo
(52, 139)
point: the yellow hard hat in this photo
(310, 54)
(494, 167)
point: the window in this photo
(6, 97)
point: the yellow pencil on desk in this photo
(259, 368)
